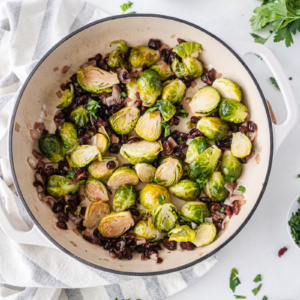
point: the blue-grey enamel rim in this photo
(133, 273)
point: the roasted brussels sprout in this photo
(141, 55)
(101, 141)
(213, 128)
(214, 187)
(163, 69)
(205, 234)
(148, 126)
(120, 46)
(196, 147)
(165, 217)
(95, 190)
(167, 109)
(228, 89)
(182, 234)
(179, 68)
(84, 154)
(196, 211)
(94, 213)
(51, 147)
(193, 65)
(141, 152)
(206, 163)
(95, 80)
(240, 145)
(205, 100)
(153, 195)
(232, 111)
(230, 165)
(115, 224)
(116, 59)
(59, 186)
(67, 97)
(169, 172)
(145, 171)
(132, 91)
(186, 189)
(79, 116)
(68, 134)
(150, 87)
(188, 49)
(173, 91)
(145, 229)
(123, 175)
(124, 197)
(124, 120)
(99, 169)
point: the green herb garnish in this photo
(186, 219)
(274, 82)
(298, 200)
(234, 281)
(222, 209)
(242, 189)
(290, 78)
(239, 297)
(71, 174)
(201, 181)
(257, 278)
(151, 109)
(264, 298)
(126, 6)
(123, 94)
(77, 186)
(93, 107)
(184, 113)
(162, 199)
(256, 290)
(153, 179)
(229, 179)
(132, 12)
(181, 140)
(294, 223)
(167, 128)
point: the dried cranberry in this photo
(62, 225)
(62, 217)
(282, 251)
(228, 211)
(187, 80)
(205, 200)
(137, 103)
(208, 77)
(233, 127)
(100, 123)
(154, 44)
(159, 260)
(170, 245)
(215, 207)
(174, 121)
(172, 56)
(194, 119)
(134, 212)
(80, 132)
(114, 148)
(73, 78)
(215, 114)
(58, 207)
(124, 139)
(235, 207)
(83, 210)
(164, 54)
(111, 165)
(252, 126)
(133, 140)
(49, 171)
(243, 128)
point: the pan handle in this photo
(281, 131)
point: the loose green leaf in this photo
(259, 56)
(184, 113)
(294, 223)
(93, 107)
(167, 128)
(256, 290)
(201, 181)
(186, 219)
(77, 186)
(242, 189)
(71, 174)
(264, 298)
(298, 200)
(274, 82)
(298, 175)
(234, 281)
(240, 297)
(126, 6)
(151, 109)
(222, 209)
(181, 140)
(162, 199)
(132, 12)
(229, 179)
(123, 94)
(290, 78)
(153, 179)
(257, 278)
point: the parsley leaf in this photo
(222, 209)
(186, 219)
(242, 189)
(123, 94)
(298, 200)
(184, 113)
(264, 298)
(71, 174)
(93, 107)
(77, 186)
(201, 181)
(132, 12)
(274, 82)
(151, 109)
(229, 179)
(234, 281)
(294, 223)
(290, 78)
(257, 278)
(181, 140)
(126, 6)
(256, 290)
(239, 297)
(153, 179)
(167, 128)
(162, 199)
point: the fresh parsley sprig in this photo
(71, 174)
(234, 281)
(77, 186)
(167, 128)
(126, 6)
(93, 107)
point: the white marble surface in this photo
(255, 249)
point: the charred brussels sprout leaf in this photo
(165, 217)
(115, 224)
(67, 97)
(124, 120)
(79, 116)
(187, 49)
(59, 186)
(186, 189)
(143, 55)
(196, 211)
(232, 111)
(167, 109)
(145, 172)
(124, 197)
(163, 69)
(214, 187)
(213, 128)
(179, 68)
(173, 91)
(132, 91)
(149, 86)
(94, 213)
(99, 169)
(241, 145)
(231, 166)
(145, 229)
(95, 190)
(148, 126)
(95, 80)
(51, 147)
(196, 147)
(123, 175)
(68, 134)
(205, 234)
(194, 66)
(182, 234)
(228, 89)
(85, 154)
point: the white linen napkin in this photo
(27, 30)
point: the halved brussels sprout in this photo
(141, 152)
(228, 89)
(95, 80)
(145, 171)
(165, 217)
(143, 55)
(132, 90)
(150, 87)
(124, 197)
(101, 141)
(193, 65)
(115, 224)
(232, 111)
(230, 165)
(167, 109)
(145, 229)
(59, 186)
(196, 211)
(240, 145)
(196, 147)
(169, 172)
(94, 213)
(116, 59)
(173, 91)
(163, 69)
(148, 126)
(84, 154)
(95, 190)
(179, 68)
(214, 187)
(213, 128)
(123, 175)
(124, 120)
(205, 234)
(51, 147)
(182, 234)
(68, 134)
(188, 49)
(186, 189)
(152, 195)
(205, 100)
(67, 97)
(206, 163)
(79, 116)
(99, 169)
(120, 46)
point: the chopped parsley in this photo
(186, 219)
(229, 179)
(71, 174)
(256, 290)
(222, 209)
(93, 107)
(201, 181)
(181, 140)
(239, 297)
(162, 199)
(290, 78)
(242, 189)
(77, 186)
(294, 223)
(126, 6)
(264, 298)
(124, 94)
(234, 281)
(151, 109)
(184, 113)
(132, 12)
(153, 179)
(298, 200)
(257, 278)
(274, 82)
(167, 128)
